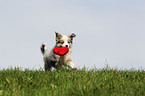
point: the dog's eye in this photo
(60, 42)
(69, 41)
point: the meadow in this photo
(65, 82)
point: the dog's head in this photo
(64, 40)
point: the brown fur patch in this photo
(70, 45)
(58, 36)
(69, 41)
(59, 45)
(69, 62)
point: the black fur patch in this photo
(43, 48)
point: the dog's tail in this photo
(43, 48)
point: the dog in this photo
(53, 60)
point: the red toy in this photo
(60, 50)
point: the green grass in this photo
(63, 82)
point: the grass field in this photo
(64, 82)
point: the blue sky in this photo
(108, 31)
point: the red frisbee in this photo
(60, 50)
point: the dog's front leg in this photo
(68, 61)
(70, 64)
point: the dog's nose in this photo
(66, 45)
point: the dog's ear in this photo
(72, 36)
(58, 36)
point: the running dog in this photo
(53, 60)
